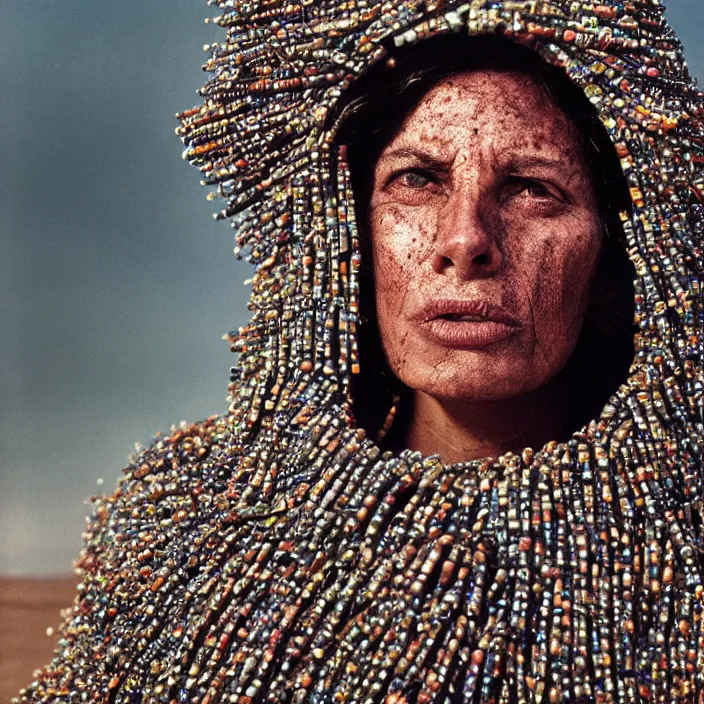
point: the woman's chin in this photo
(473, 377)
(490, 387)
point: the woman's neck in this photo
(460, 430)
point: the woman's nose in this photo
(467, 235)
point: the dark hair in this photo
(372, 112)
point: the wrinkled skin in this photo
(484, 193)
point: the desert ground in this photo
(27, 608)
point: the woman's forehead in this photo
(506, 108)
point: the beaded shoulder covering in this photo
(274, 554)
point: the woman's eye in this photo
(537, 190)
(532, 197)
(413, 179)
(531, 188)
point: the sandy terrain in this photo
(27, 608)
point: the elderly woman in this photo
(451, 470)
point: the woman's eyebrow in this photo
(517, 161)
(425, 159)
(531, 161)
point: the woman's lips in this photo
(467, 334)
(465, 324)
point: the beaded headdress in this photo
(274, 554)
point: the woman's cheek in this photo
(538, 281)
(560, 291)
(391, 292)
(389, 272)
(578, 269)
(399, 240)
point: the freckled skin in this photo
(483, 193)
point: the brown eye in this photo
(536, 189)
(533, 198)
(532, 189)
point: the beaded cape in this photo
(275, 554)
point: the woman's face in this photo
(485, 237)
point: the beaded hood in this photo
(276, 554)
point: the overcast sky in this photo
(116, 283)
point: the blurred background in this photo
(116, 283)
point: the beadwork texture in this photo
(274, 554)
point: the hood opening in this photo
(370, 114)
